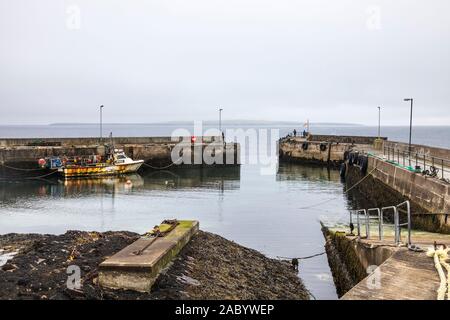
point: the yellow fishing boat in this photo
(117, 163)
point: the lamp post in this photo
(220, 119)
(379, 123)
(410, 124)
(101, 123)
(410, 127)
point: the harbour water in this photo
(263, 212)
(258, 211)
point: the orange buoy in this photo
(42, 162)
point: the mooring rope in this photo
(18, 169)
(303, 258)
(346, 191)
(440, 256)
(29, 178)
(447, 267)
(359, 182)
(162, 168)
(43, 176)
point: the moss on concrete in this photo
(344, 263)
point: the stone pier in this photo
(19, 157)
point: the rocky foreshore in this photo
(208, 267)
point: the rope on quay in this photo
(440, 256)
(346, 191)
(162, 168)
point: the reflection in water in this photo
(312, 174)
(206, 178)
(78, 187)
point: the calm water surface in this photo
(262, 212)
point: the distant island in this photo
(215, 122)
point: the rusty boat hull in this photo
(100, 170)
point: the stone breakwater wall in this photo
(19, 155)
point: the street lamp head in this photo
(101, 106)
(407, 99)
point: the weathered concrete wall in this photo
(291, 150)
(96, 141)
(161, 153)
(375, 193)
(393, 273)
(344, 139)
(430, 193)
(35, 153)
(349, 260)
(420, 149)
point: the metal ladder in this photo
(404, 207)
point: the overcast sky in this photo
(167, 60)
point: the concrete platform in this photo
(406, 275)
(401, 274)
(128, 270)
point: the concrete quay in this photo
(371, 269)
(137, 266)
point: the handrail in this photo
(380, 221)
(380, 214)
(358, 223)
(431, 164)
(419, 154)
(408, 223)
(366, 221)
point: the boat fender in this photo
(364, 165)
(305, 146)
(343, 170)
(346, 155)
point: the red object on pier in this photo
(193, 139)
(42, 162)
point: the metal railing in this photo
(367, 218)
(429, 165)
(403, 207)
(407, 210)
